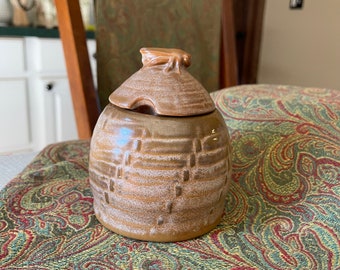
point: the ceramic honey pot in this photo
(160, 154)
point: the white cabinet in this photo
(35, 101)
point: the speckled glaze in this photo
(158, 170)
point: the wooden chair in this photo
(84, 95)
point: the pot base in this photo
(158, 236)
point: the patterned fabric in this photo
(282, 210)
(122, 30)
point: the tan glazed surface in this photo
(160, 178)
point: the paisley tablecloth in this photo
(282, 211)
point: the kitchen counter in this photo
(35, 32)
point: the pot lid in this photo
(163, 86)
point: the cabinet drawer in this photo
(52, 55)
(12, 55)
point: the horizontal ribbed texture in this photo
(159, 178)
(166, 87)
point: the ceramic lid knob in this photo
(163, 86)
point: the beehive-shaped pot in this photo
(160, 154)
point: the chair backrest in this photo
(197, 27)
(204, 30)
(84, 96)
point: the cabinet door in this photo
(60, 121)
(15, 131)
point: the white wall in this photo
(301, 47)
